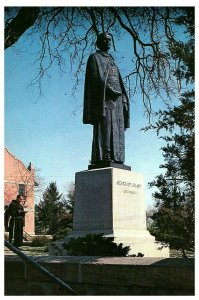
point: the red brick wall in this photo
(16, 173)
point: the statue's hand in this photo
(111, 92)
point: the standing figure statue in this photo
(15, 216)
(106, 105)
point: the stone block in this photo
(111, 201)
(15, 268)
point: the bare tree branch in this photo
(25, 19)
(69, 33)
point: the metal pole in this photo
(37, 266)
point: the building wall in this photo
(15, 174)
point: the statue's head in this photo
(103, 41)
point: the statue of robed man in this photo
(106, 105)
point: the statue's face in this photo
(105, 43)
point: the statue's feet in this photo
(107, 158)
(107, 155)
(118, 162)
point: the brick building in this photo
(19, 179)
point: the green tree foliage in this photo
(95, 245)
(173, 215)
(66, 218)
(70, 196)
(173, 219)
(51, 212)
(183, 51)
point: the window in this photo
(22, 190)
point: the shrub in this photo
(39, 241)
(61, 234)
(95, 245)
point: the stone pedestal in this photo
(111, 201)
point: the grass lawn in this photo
(29, 250)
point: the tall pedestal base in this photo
(111, 201)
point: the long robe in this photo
(16, 212)
(108, 122)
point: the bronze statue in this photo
(106, 105)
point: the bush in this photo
(61, 234)
(95, 245)
(39, 241)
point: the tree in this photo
(70, 33)
(70, 196)
(48, 211)
(175, 199)
(23, 18)
(173, 218)
(54, 212)
(66, 218)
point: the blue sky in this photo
(43, 129)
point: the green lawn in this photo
(29, 250)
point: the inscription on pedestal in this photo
(129, 185)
